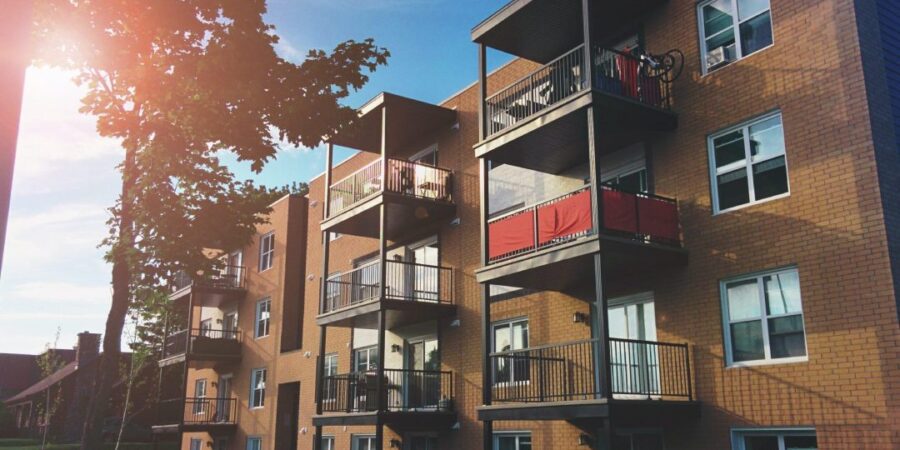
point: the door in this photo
(229, 325)
(423, 378)
(633, 356)
(365, 280)
(233, 270)
(423, 272)
(224, 402)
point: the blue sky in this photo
(53, 273)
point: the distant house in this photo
(18, 371)
(72, 385)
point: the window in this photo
(333, 292)
(363, 443)
(200, 396)
(206, 327)
(327, 443)
(365, 359)
(254, 443)
(764, 318)
(334, 236)
(263, 311)
(258, 388)
(724, 39)
(331, 367)
(634, 182)
(774, 439)
(196, 444)
(508, 336)
(512, 441)
(748, 164)
(266, 251)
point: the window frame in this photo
(326, 439)
(737, 434)
(258, 318)
(747, 163)
(735, 28)
(495, 438)
(198, 442)
(254, 380)
(356, 438)
(764, 318)
(257, 439)
(509, 323)
(369, 349)
(266, 252)
(330, 395)
(199, 405)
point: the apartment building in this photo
(585, 250)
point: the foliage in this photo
(49, 362)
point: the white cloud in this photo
(60, 291)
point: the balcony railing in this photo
(198, 411)
(404, 390)
(566, 372)
(404, 281)
(227, 277)
(615, 72)
(202, 340)
(640, 216)
(404, 177)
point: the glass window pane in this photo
(729, 148)
(717, 16)
(756, 33)
(770, 178)
(634, 182)
(760, 442)
(786, 337)
(766, 139)
(747, 341)
(782, 293)
(506, 443)
(750, 8)
(501, 339)
(800, 443)
(733, 189)
(525, 443)
(743, 300)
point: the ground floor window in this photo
(196, 444)
(512, 441)
(363, 443)
(774, 439)
(254, 443)
(640, 439)
(327, 443)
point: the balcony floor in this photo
(556, 138)
(215, 429)
(397, 313)
(403, 213)
(569, 267)
(397, 420)
(623, 412)
(208, 295)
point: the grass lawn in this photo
(28, 444)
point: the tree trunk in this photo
(92, 435)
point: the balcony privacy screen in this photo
(640, 215)
(565, 218)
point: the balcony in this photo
(562, 382)
(413, 399)
(413, 293)
(219, 346)
(221, 285)
(549, 245)
(628, 94)
(217, 416)
(414, 195)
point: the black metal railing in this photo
(197, 411)
(541, 89)
(226, 277)
(566, 372)
(404, 177)
(403, 280)
(201, 340)
(403, 390)
(615, 72)
(635, 215)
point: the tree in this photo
(49, 363)
(178, 82)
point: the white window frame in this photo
(330, 370)
(509, 323)
(764, 318)
(495, 439)
(355, 440)
(267, 321)
(328, 442)
(369, 349)
(738, 434)
(747, 163)
(200, 393)
(196, 444)
(266, 251)
(254, 381)
(257, 439)
(736, 29)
